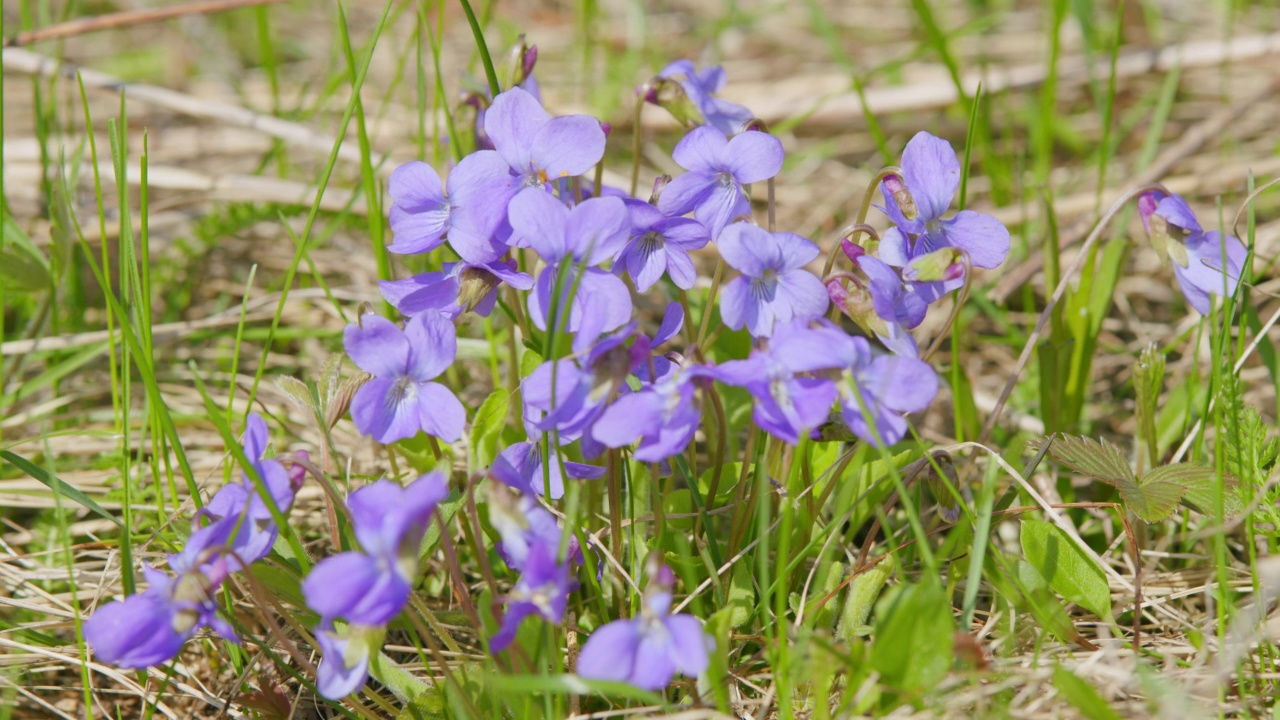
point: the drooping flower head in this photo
(1205, 263)
(916, 203)
(400, 400)
(774, 287)
(700, 86)
(718, 167)
(649, 649)
(457, 288)
(150, 628)
(543, 589)
(366, 589)
(880, 303)
(790, 399)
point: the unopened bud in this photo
(520, 61)
(755, 124)
(852, 250)
(659, 183)
(940, 265)
(902, 196)
(857, 305)
(474, 285)
(297, 473)
(606, 128)
(670, 95)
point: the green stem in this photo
(476, 31)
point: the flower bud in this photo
(902, 196)
(852, 250)
(520, 61)
(940, 265)
(297, 473)
(659, 183)
(606, 128)
(474, 285)
(670, 95)
(857, 305)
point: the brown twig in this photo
(128, 18)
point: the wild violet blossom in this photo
(881, 304)
(457, 288)
(543, 589)
(660, 244)
(366, 589)
(150, 628)
(881, 386)
(916, 203)
(523, 523)
(774, 287)
(590, 234)
(718, 167)
(789, 399)
(537, 147)
(1198, 256)
(663, 416)
(649, 649)
(467, 211)
(400, 400)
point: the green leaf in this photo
(283, 582)
(1199, 485)
(447, 509)
(56, 484)
(1034, 595)
(1096, 458)
(862, 595)
(1082, 695)
(1071, 573)
(402, 683)
(741, 595)
(486, 427)
(913, 640)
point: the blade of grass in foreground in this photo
(314, 212)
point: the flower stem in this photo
(482, 47)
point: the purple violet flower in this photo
(881, 304)
(255, 535)
(400, 400)
(368, 589)
(521, 467)
(727, 117)
(523, 523)
(457, 288)
(660, 244)
(885, 386)
(1197, 255)
(718, 168)
(469, 214)
(650, 648)
(543, 589)
(916, 202)
(774, 287)
(789, 401)
(150, 628)
(663, 416)
(537, 147)
(586, 236)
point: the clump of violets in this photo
(356, 593)
(150, 627)
(649, 649)
(1205, 262)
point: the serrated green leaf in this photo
(913, 636)
(1082, 695)
(1071, 573)
(1154, 499)
(56, 484)
(1199, 485)
(1098, 459)
(486, 427)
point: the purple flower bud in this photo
(901, 195)
(852, 250)
(297, 473)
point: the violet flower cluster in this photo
(150, 627)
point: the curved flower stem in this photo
(711, 301)
(859, 224)
(1058, 292)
